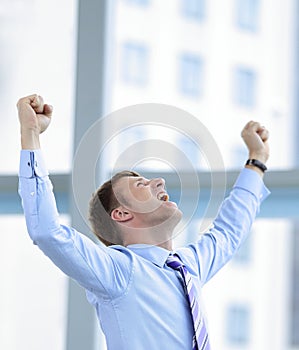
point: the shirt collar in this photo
(156, 255)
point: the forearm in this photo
(238, 211)
(35, 189)
(232, 224)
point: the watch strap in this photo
(257, 163)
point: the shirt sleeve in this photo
(230, 228)
(103, 271)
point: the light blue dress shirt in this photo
(140, 302)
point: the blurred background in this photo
(225, 62)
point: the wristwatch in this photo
(257, 163)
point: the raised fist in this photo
(34, 114)
(35, 117)
(256, 138)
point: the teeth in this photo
(163, 197)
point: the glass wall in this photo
(33, 291)
(225, 65)
(225, 68)
(241, 299)
(239, 64)
(37, 43)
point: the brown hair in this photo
(102, 203)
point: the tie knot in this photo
(174, 262)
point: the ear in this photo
(121, 214)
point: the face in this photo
(147, 200)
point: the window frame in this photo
(188, 63)
(247, 20)
(245, 86)
(236, 332)
(188, 11)
(139, 52)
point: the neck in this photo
(159, 237)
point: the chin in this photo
(167, 214)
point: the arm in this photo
(237, 213)
(91, 265)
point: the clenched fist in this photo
(256, 138)
(35, 117)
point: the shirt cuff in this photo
(251, 181)
(32, 164)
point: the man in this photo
(146, 296)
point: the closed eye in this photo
(142, 182)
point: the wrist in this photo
(259, 156)
(256, 165)
(29, 140)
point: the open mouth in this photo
(162, 196)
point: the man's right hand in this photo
(34, 117)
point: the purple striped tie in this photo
(200, 338)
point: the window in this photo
(190, 75)
(245, 87)
(32, 286)
(194, 9)
(135, 64)
(43, 291)
(247, 14)
(32, 73)
(237, 325)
